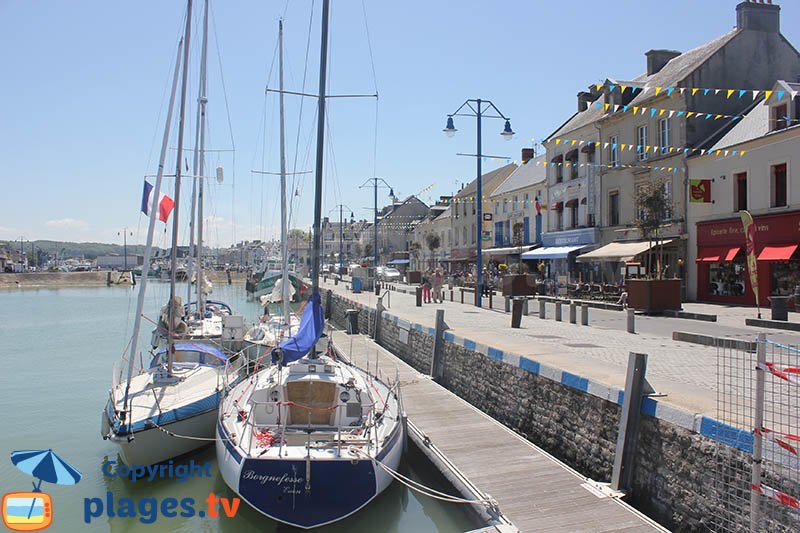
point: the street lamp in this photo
(478, 108)
(341, 229)
(124, 234)
(375, 211)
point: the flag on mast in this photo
(165, 203)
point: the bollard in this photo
(451, 295)
(558, 311)
(490, 299)
(573, 308)
(508, 304)
(525, 306)
(377, 289)
(631, 321)
(229, 276)
(335, 281)
(462, 296)
(419, 296)
(516, 313)
(584, 315)
(542, 309)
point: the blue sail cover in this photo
(309, 332)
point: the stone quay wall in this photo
(577, 421)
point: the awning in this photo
(508, 250)
(717, 254)
(777, 253)
(551, 252)
(572, 203)
(619, 251)
(557, 206)
(398, 262)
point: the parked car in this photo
(388, 274)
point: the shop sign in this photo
(770, 228)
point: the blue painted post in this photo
(479, 218)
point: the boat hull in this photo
(277, 487)
(153, 446)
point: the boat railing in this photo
(235, 370)
(327, 436)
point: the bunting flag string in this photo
(638, 148)
(662, 112)
(702, 91)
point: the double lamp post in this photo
(479, 109)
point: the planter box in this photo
(414, 276)
(519, 285)
(654, 295)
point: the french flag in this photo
(165, 203)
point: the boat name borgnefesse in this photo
(300, 440)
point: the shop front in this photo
(722, 266)
(556, 257)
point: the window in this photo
(641, 140)
(573, 222)
(740, 191)
(527, 201)
(613, 151)
(496, 208)
(505, 205)
(559, 172)
(455, 242)
(473, 206)
(663, 135)
(464, 234)
(559, 218)
(779, 116)
(473, 233)
(613, 208)
(515, 203)
(778, 185)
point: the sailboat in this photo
(168, 408)
(305, 440)
(273, 328)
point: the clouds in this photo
(67, 223)
(222, 231)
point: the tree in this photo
(368, 249)
(296, 233)
(433, 241)
(654, 208)
(414, 250)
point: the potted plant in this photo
(653, 293)
(517, 281)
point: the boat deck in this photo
(533, 490)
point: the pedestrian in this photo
(438, 281)
(426, 287)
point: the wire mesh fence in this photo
(757, 429)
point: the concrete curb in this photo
(690, 316)
(719, 342)
(776, 324)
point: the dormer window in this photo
(779, 117)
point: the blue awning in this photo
(398, 262)
(311, 325)
(551, 252)
(197, 347)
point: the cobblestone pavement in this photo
(684, 372)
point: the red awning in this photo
(777, 253)
(558, 206)
(717, 254)
(572, 203)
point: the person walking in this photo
(438, 281)
(426, 287)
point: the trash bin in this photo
(418, 293)
(516, 312)
(356, 285)
(779, 307)
(351, 318)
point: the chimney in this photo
(758, 16)
(584, 99)
(656, 59)
(527, 155)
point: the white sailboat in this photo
(301, 440)
(177, 394)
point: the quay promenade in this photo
(684, 373)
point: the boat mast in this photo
(202, 100)
(323, 67)
(178, 165)
(137, 321)
(284, 219)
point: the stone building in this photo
(765, 181)
(438, 223)
(646, 128)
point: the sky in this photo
(85, 87)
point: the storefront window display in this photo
(785, 277)
(727, 279)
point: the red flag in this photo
(165, 207)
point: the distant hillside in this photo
(87, 250)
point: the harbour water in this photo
(58, 347)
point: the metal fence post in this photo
(437, 358)
(631, 321)
(758, 422)
(622, 473)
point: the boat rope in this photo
(422, 489)
(189, 437)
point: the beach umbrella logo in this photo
(32, 511)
